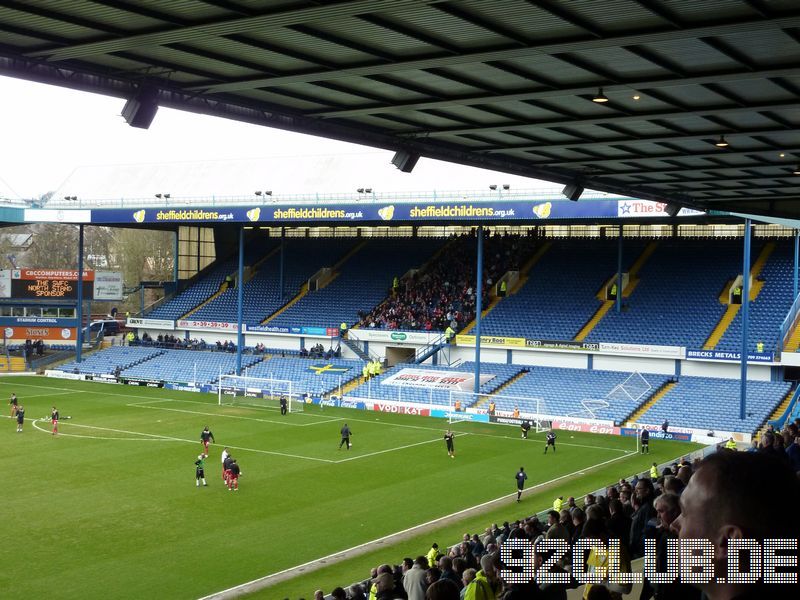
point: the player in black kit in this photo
(346, 433)
(520, 477)
(526, 427)
(645, 441)
(448, 439)
(551, 441)
(283, 405)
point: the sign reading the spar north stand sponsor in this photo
(762, 357)
(435, 379)
(152, 323)
(108, 285)
(217, 325)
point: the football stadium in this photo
(348, 382)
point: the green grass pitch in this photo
(109, 508)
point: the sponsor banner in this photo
(654, 428)
(180, 387)
(62, 375)
(37, 321)
(141, 382)
(51, 274)
(396, 337)
(644, 350)
(461, 416)
(491, 340)
(559, 345)
(269, 329)
(108, 285)
(340, 403)
(493, 210)
(506, 420)
(5, 283)
(435, 379)
(586, 426)
(761, 357)
(49, 215)
(659, 435)
(647, 208)
(50, 334)
(215, 325)
(102, 378)
(151, 323)
(403, 408)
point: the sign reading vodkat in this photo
(433, 379)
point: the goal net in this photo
(633, 389)
(261, 392)
(508, 410)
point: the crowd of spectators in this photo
(699, 499)
(171, 342)
(443, 294)
(318, 351)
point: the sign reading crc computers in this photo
(59, 284)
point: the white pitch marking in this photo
(390, 450)
(167, 438)
(252, 586)
(221, 415)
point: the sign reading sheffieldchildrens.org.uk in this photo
(465, 210)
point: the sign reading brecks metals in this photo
(433, 379)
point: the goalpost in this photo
(530, 409)
(256, 391)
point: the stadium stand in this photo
(669, 307)
(195, 294)
(563, 391)
(443, 293)
(362, 283)
(769, 309)
(106, 362)
(188, 366)
(687, 405)
(302, 258)
(315, 376)
(560, 294)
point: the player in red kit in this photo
(205, 436)
(233, 477)
(54, 419)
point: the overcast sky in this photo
(48, 132)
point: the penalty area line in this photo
(285, 574)
(390, 450)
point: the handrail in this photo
(436, 342)
(788, 322)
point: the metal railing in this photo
(326, 198)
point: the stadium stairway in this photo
(633, 281)
(222, 288)
(648, 404)
(793, 343)
(355, 347)
(483, 400)
(523, 279)
(300, 295)
(14, 364)
(351, 385)
(733, 309)
(777, 413)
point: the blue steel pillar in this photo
(745, 318)
(478, 310)
(618, 299)
(175, 251)
(239, 303)
(796, 260)
(79, 338)
(280, 267)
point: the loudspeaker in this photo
(572, 191)
(140, 110)
(672, 210)
(405, 161)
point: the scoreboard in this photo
(55, 284)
